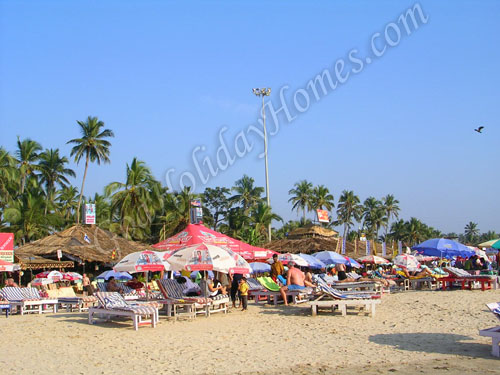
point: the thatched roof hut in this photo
(82, 243)
(34, 262)
(315, 244)
(312, 231)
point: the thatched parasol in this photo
(85, 243)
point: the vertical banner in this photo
(7, 247)
(400, 247)
(89, 214)
(343, 246)
(384, 249)
(367, 247)
(337, 246)
(355, 247)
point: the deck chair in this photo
(493, 332)
(28, 300)
(173, 292)
(5, 306)
(112, 304)
(272, 292)
(68, 299)
(334, 299)
(219, 303)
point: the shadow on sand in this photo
(443, 343)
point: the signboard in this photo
(59, 254)
(322, 216)
(400, 247)
(196, 211)
(343, 246)
(89, 213)
(384, 249)
(368, 248)
(7, 247)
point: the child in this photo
(243, 289)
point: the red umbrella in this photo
(54, 275)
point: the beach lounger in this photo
(175, 299)
(342, 301)
(218, 303)
(112, 304)
(468, 281)
(272, 293)
(67, 298)
(28, 300)
(493, 332)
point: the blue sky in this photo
(166, 77)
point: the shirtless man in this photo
(296, 280)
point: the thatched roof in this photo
(312, 245)
(73, 245)
(312, 231)
(34, 262)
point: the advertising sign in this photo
(322, 216)
(7, 247)
(89, 213)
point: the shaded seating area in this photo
(176, 300)
(67, 299)
(271, 292)
(112, 305)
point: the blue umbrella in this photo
(117, 275)
(314, 263)
(354, 263)
(259, 267)
(331, 257)
(443, 248)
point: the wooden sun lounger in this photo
(342, 304)
(27, 300)
(493, 332)
(137, 318)
(275, 297)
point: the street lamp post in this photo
(262, 92)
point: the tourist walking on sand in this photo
(235, 283)
(276, 268)
(243, 289)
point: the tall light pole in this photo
(265, 92)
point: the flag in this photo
(86, 238)
(343, 246)
(400, 247)
(367, 247)
(384, 249)
(113, 254)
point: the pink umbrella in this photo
(373, 259)
(53, 275)
(72, 276)
(407, 261)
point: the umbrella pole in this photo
(146, 281)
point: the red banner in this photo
(7, 247)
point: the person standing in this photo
(235, 283)
(243, 289)
(276, 268)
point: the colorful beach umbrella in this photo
(117, 275)
(373, 259)
(494, 244)
(53, 275)
(204, 257)
(8, 267)
(42, 281)
(72, 276)
(443, 248)
(407, 261)
(332, 257)
(141, 261)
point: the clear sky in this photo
(167, 77)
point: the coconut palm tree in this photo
(7, 176)
(261, 217)
(67, 199)
(301, 197)
(471, 232)
(371, 214)
(391, 208)
(414, 232)
(27, 156)
(246, 193)
(348, 209)
(136, 200)
(321, 198)
(177, 211)
(53, 172)
(93, 146)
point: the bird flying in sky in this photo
(480, 129)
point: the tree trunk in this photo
(81, 191)
(304, 215)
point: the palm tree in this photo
(349, 208)
(7, 176)
(246, 194)
(414, 232)
(471, 232)
(67, 199)
(27, 155)
(177, 211)
(93, 146)
(391, 208)
(136, 200)
(321, 198)
(301, 197)
(371, 214)
(52, 172)
(261, 217)
(398, 230)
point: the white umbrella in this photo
(205, 257)
(287, 258)
(407, 261)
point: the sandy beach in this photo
(412, 333)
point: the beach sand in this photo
(412, 333)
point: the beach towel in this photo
(269, 284)
(282, 280)
(254, 284)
